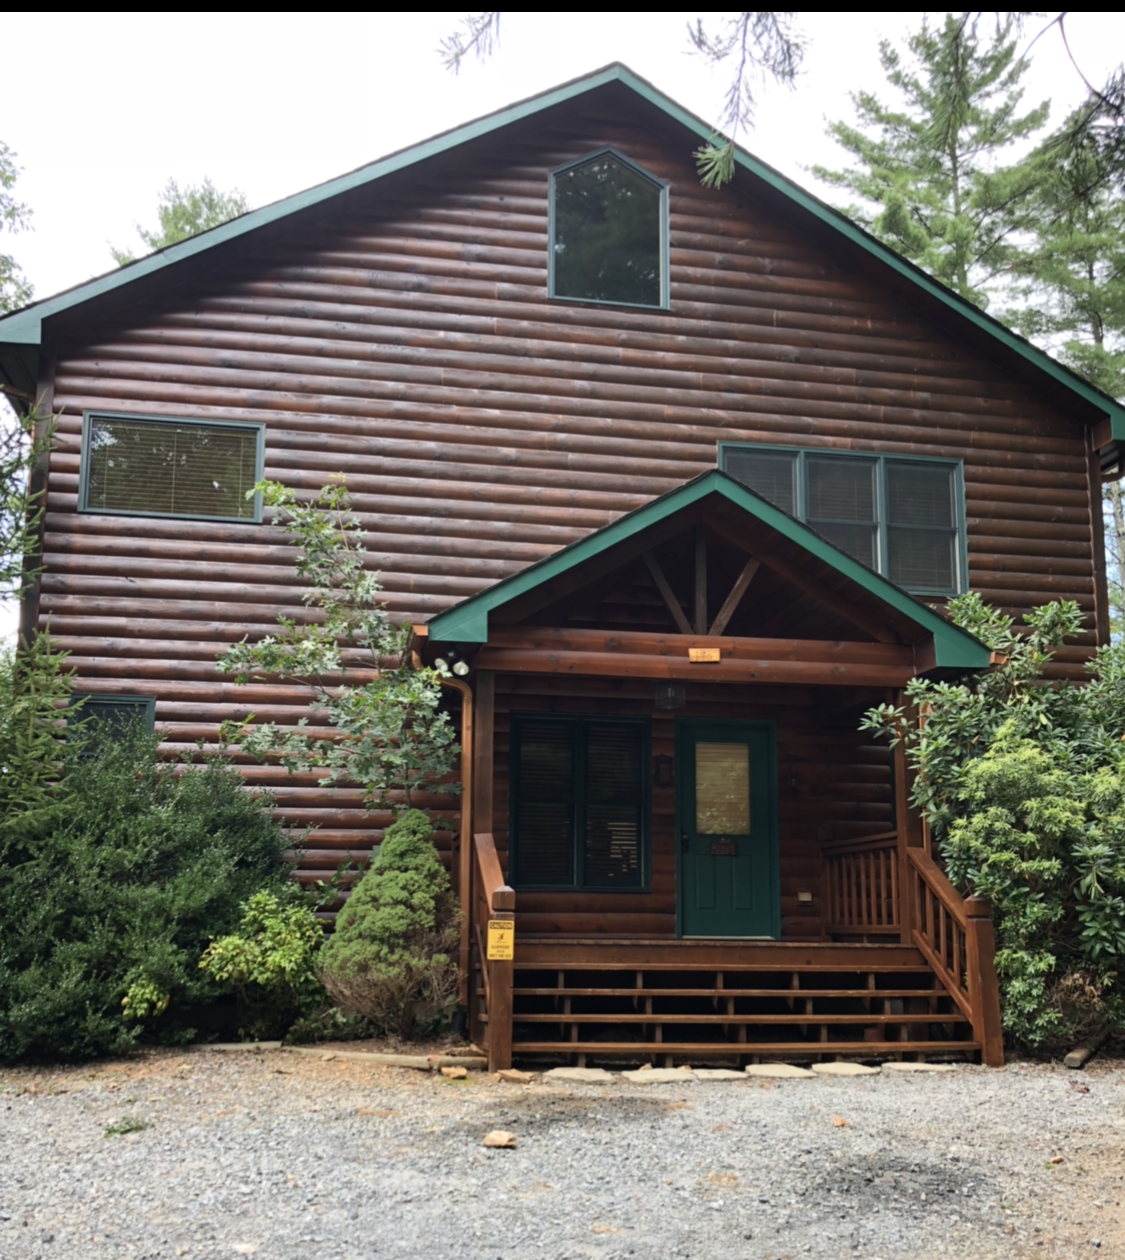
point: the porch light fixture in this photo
(662, 771)
(670, 696)
(454, 660)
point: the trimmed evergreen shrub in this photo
(108, 898)
(393, 956)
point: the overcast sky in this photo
(113, 105)
(109, 107)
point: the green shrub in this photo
(393, 956)
(108, 900)
(270, 962)
(1023, 784)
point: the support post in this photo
(980, 964)
(908, 826)
(500, 1015)
(700, 580)
(481, 772)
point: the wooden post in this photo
(483, 761)
(908, 826)
(984, 988)
(700, 580)
(500, 1014)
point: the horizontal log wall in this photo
(832, 785)
(405, 338)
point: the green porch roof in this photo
(467, 622)
(21, 332)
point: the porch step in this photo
(665, 1018)
(725, 993)
(742, 1049)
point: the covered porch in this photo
(676, 843)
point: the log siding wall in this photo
(406, 339)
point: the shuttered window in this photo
(143, 466)
(608, 232)
(904, 518)
(579, 810)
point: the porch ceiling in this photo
(710, 565)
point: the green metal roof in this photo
(24, 328)
(467, 622)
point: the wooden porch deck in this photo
(932, 991)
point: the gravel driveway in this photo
(286, 1156)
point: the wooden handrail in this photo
(939, 883)
(884, 840)
(500, 896)
(493, 899)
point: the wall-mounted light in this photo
(662, 771)
(669, 696)
(453, 658)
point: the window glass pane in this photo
(722, 789)
(607, 234)
(841, 489)
(922, 559)
(858, 541)
(543, 816)
(920, 494)
(772, 474)
(183, 470)
(614, 805)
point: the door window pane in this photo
(607, 233)
(722, 789)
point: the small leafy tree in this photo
(393, 956)
(1023, 784)
(14, 217)
(270, 961)
(390, 734)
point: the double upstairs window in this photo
(160, 466)
(904, 518)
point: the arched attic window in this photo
(608, 232)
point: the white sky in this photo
(113, 105)
(272, 103)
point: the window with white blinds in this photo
(579, 814)
(153, 466)
(904, 518)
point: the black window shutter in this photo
(614, 815)
(543, 810)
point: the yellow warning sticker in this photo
(501, 940)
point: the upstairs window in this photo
(904, 518)
(608, 233)
(117, 714)
(579, 815)
(153, 466)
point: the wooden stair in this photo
(603, 998)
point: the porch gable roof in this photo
(953, 648)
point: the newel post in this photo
(502, 977)
(984, 987)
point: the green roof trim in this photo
(25, 327)
(467, 622)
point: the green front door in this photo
(726, 826)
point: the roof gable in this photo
(469, 621)
(21, 332)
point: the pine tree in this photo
(930, 172)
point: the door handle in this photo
(685, 842)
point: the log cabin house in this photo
(679, 480)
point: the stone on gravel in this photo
(919, 1067)
(454, 1073)
(515, 1076)
(844, 1069)
(589, 1076)
(776, 1071)
(501, 1139)
(659, 1076)
(234, 1047)
(718, 1074)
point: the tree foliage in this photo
(393, 956)
(185, 212)
(1023, 784)
(14, 217)
(108, 900)
(930, 170)
(389, 733)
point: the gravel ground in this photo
(290, 1157)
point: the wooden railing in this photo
(861, 884)
(955, 936)
(492, 899)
